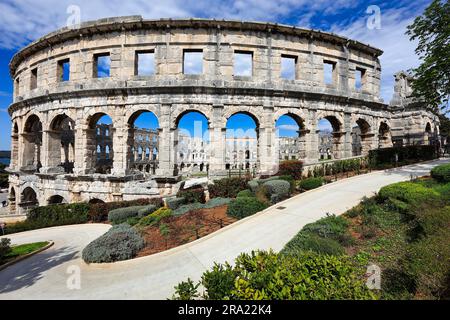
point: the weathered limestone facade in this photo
(45, 106)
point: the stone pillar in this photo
(164, 168)
(344, 143)
(217, 144)
(311, 138)
(51, 151)
(80, 149)
(119, 149)
(267, 146)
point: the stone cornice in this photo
(121, 24)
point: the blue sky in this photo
(24, 21)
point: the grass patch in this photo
(23, 249)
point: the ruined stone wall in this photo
(217, 92)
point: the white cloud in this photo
(27, 20)
(398, 49)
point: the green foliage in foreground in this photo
(265, 275)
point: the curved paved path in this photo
(45, 275)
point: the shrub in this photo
(441, 173)
(310, 183)
(278, 190)
(175, 202)
(409, 192)
(121, 242)
(146, 210)
(219, 282)
(99, 211)
(155, 217)
(186, 290)
(265, 275)
(292, 168)
(118, 216)
(312, 242)
(5, 248)
(244, 193)
(253, 185)
(244, 207)
(192, 195)
(291, 182)
(216, 202)
(186, 208)
(227, 188)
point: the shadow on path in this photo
(27, 272)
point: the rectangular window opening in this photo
(145, 63)
(243, 63)
(359, 78)
(64, 70)
(328, 71)
(102, 65)
(192, 61)
(288, 67)
(34, 75)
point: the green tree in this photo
(432, 77)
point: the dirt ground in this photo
(177, 230)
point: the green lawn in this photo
(23, 249)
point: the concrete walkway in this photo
(45, 275)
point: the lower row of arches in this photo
(191, 133)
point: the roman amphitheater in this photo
(62, 153)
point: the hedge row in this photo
(49, 216)
(385, 156)
(75, 213)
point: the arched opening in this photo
(290, 133)
(428, 135)
(241, 141)
(99, 147)
(330, 138)
(56, 199)
(191, 142)
(32, 143)
(95, 201)
(61, 146)
(28, 199)
(384, 136)
(361, 142)
(143, 136)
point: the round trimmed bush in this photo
(311, 183)
(278, 189)
(121, 242)
(441, 173)
(244, 207)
